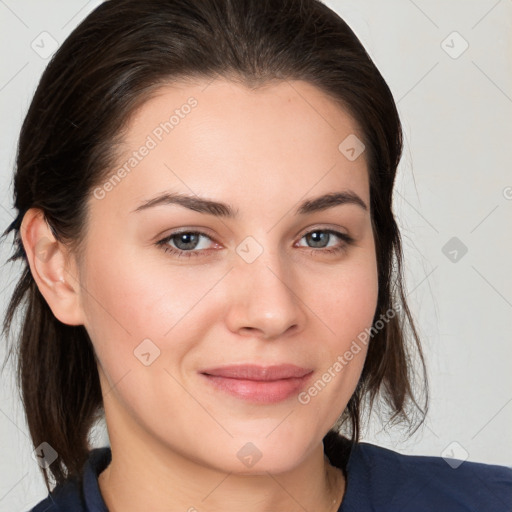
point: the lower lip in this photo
(257, 391)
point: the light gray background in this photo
(455, 180)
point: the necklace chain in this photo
(339, 489)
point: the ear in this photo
(52, 268)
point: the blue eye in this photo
(318, 236)
(186, 242)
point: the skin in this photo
(174, 437)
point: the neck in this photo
(142, 478)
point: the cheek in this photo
(350, 299)
(129, 302)
(347, 308)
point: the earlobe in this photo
(51, 268)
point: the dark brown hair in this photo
(106, 69)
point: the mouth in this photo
(258, 384)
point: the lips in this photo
(255, 372)
(258, 384)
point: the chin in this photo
(261, 455)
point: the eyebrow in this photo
(219, 209)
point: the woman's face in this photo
(266, 282)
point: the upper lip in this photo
(255, 372)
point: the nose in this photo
(265, 299)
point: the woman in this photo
(204, 207)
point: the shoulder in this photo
(79, 494)
(65, 497)
(420, 483)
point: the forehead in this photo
(222, 139)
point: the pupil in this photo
(317, 235)
(188, 238)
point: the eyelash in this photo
(348, 240)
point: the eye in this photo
(185, 242)
(320, 237)
(188, 243)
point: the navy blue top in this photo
(377, 479)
